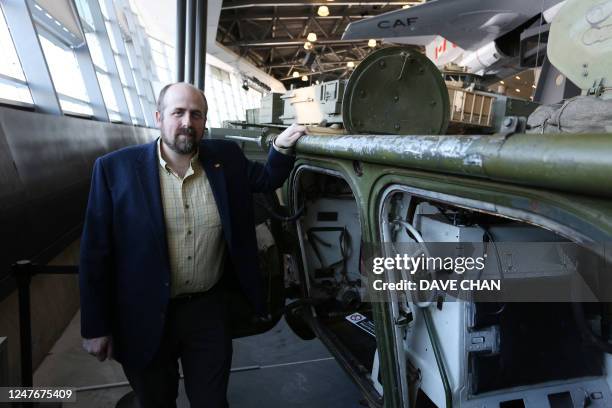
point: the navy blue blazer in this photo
(124, 272)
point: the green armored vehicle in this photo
(526, 323)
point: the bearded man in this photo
(161, 219)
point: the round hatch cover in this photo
(396, 90)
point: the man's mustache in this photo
(186, 131)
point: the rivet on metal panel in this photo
(395, 98)
(382, 64)
(362, 93)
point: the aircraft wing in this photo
(467, 23)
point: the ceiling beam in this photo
(227, 5)
(314, 20)
(314, 73)
(302, 13)
(332, 63)
(285, 28)
(285, 17)
(292, 42)
(323, 58)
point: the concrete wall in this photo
(54, 301)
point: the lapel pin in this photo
(217, 165)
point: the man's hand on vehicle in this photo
(100, 347)
(289, 137)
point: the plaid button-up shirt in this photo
(193, 228)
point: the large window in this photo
(228, 99)
(100, 59)
(163, 59)
(67, 77)
(103, 71)
(13, 84)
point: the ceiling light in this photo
(517, 90)
(308, 45)
(518, 77)
(502, 82)
(323, 11)
(533, 86)
(350, 64)
(312, 37)
(406, 6)
(304, 78)
(372, 43)
(317, 82)
(296, 74)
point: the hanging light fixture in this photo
(350, 64)
(308, 45)
(304, 78)
(296, 74)
(323, 11)
(372, 43)
(312, 37)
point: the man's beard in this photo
(184, 142)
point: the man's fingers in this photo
(289, 136)
(100, 347)
(104, 351)
(101, 356)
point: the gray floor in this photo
(274, 369)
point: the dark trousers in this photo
(197, 332)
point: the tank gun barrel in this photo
(578, 163)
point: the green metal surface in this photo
(576, 163)
(396, 90)
(579, 42)
(587, 217)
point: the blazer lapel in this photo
(213, 167)
(148, 175)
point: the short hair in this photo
(162, 95)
